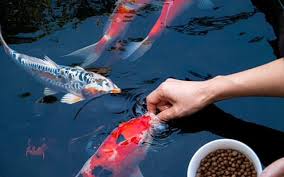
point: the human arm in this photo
(176, 98)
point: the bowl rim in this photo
(213, 145)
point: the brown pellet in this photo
(226, 162)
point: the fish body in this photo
(122, 151)
(171, 9)
(122, 16)
(78, 83)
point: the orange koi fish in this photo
(122, 151)
(123, 14)
(171, 9)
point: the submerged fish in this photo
(123, 14)
(171, 9)
(122, 151)
(78, 83)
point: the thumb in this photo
(167, 114)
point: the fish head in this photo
(139, 129)
(133, 131)
(100, 86)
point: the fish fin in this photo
(136, 50)
(70, 98)
(205, 4)
(79, 67)
(137, 173)
(48, 92)
(49, 62)
(91, 53)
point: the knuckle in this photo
(169, 79)
(163, 86)
(177, 111)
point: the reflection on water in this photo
(45, 16)
(236, 38)
(203, 25)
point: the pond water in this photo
(198, 45)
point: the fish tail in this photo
(136, 50)
(7, 49)
(91, 53)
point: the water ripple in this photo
(202, 25)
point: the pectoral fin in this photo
(137, 173)
(70, 98)
(48, 92)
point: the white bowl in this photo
(222, 144)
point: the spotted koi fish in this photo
(123, 14)
(122, 151)
(78, 83)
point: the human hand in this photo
(176, 98)
(276, 169)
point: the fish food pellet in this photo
(226, 163)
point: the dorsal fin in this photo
(79, 67)
(49, 62)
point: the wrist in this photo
(220, 88)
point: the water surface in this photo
(199, 44)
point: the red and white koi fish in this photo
(77, 83)
(123, 14)
(122, 151)
(171, 9)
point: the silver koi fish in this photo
(78, 83)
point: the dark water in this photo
(200, 44)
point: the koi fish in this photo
(78, 83)
(123, 14)
(122, 151)
(171, 9)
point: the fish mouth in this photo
(116, 90)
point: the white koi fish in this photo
(78, 83)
